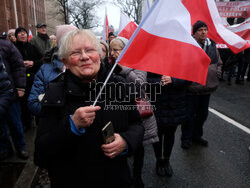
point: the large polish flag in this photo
(206, 11)
(145, 8)
(126, 27)
(242, 29)
(163, 44)
(105, 31)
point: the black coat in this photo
(30, 53)
(169, 100)
(78, 161)
(6, 90)
(13, 62)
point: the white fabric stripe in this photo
(145, 8)
(169, 19)
(240, 27)
(124, 21)
(227, 35)
(235, 123)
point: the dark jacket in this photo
(213, 74)
(30, 53)
(13, 62)
(169, 100)
(6, 90)
(42, 42)
(78, 161)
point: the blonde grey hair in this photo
(66, 42)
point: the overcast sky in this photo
(113, 16)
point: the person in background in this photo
(111, 36)
(11, 36)
(53, 40)
(199, 95)
(51, 68)
(246, 63)
(42, 41)
(15, 68)
(137, 77)
(69, 140)
(170, 112)
(6, 92)
(32, 61)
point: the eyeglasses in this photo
(87, 51)
(116, 50)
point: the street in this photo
(225, 162)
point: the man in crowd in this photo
(14, 64)
(42, 41)
(199, 95)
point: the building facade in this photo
(53, 17)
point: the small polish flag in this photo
(206, 11)
(163, 44)
(105, 31)
(30, 35)
(126, 27)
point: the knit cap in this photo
(61, 30)
(19, 29)
(198, 25)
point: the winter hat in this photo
(19, 29)
(11, 31)
(61, 30)
(111, 34)
(198, 25)
(124, 40)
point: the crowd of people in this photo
(53, 81)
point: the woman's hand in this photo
(84, 116)
(165, 80)
(114, 148)
(28, 64)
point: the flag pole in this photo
(105, 82)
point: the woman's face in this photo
(116, 48)
(12, 37)
(83, 59)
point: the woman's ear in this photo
(65, 62)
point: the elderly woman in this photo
(69, 142)
(150, 136)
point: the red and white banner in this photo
(127, 27)
(242, 29)
(234, 9)
(105, 31)
(206, 11)
(163, 44)
(30, 35)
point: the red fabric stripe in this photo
(128, 31)
(166, 57)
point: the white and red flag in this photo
(145, 8)
(126, 27)
(105, 31)
(163, 44)
(30, 35)
(206, 11)
(242, 29)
